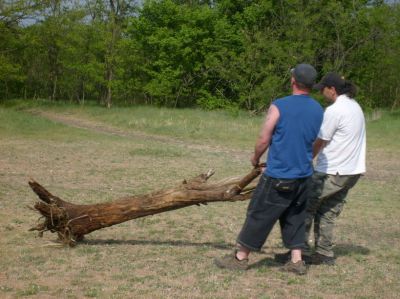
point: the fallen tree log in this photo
(71, 221)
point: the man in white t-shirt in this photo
(340, 147)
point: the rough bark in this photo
(71, 221)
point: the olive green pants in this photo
(326, 198)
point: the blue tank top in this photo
(290, 151)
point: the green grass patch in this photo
(4, 288)
(93, 292)
(25, 125)
(195, 125)
(199, 126)
(384, 133)
(32, 289)
(165, 151)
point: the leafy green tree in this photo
(208, 53)
(254, 68)
(11, 73)
(357, 39)
(375, 64)
(173, 41)
(11, 43)
(83, 51)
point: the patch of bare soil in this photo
(382, 166)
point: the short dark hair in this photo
(303, 86)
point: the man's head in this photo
(332, 85)
(303, 76)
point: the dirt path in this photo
(97, 127)
(380, 163)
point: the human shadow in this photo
(265, 262)
(350, 249)
(179, 243)
(340, 250)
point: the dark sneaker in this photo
(282, 257)
(306, 258)
(231, 262)
(320, 259)
(298, 268)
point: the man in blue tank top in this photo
(289, 131)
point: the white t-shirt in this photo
(344, 129)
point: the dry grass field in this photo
(91, 155)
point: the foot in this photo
(320, 259)
(283, 258)
(298, 268)
(231, 262)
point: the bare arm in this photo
(318, 146)
(265, 136)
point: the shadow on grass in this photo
(267, 262)
(218, 245)
(350, 249)
(340, 250)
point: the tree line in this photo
(186, 53)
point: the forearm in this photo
(318, 145)
(260, 148)
(265, 136)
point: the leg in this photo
(292, 222)
(327, 214)
(265, 208)
(322, 187)
(293, 230)
(330, 209)
(314, 190)
(317, 221)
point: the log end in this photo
(40, 191)
(54, 215)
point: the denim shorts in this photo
(270, 204)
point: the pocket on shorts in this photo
(282, 192)
(285, 185)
